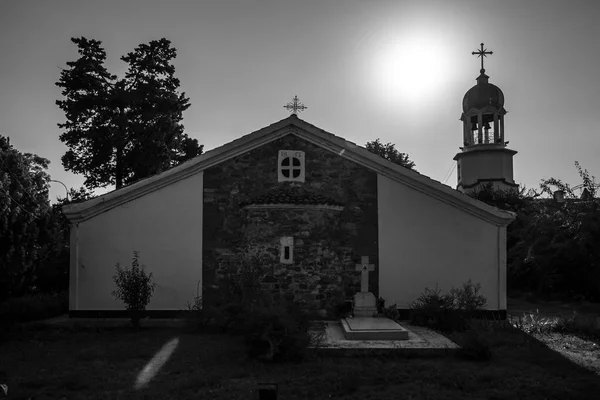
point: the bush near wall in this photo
(447, 312)
(33, 307)
(274, 329)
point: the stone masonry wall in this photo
(327, 243)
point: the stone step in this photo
(369, 328)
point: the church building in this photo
(316, 217)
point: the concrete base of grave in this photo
(369, 328)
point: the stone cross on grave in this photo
(365, 267)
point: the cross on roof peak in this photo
(481, 52)
(295, 106)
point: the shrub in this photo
(134, 288)
(447, 312)
(566, 324)
(431, 309)
(391, 312)
(276, 332)
(534, 322)
(273, 329)
(468, 298)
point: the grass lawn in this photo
(56, 363)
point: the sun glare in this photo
(155, 364)
(408, 71)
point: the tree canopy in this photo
(389, 152)
(24, 211)
(552, 247)
(121, 130)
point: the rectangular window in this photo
(290, 166)
(287, 250)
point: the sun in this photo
(408, 70)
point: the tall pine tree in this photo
(121, 130)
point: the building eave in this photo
(292, 125)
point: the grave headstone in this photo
(365, 304)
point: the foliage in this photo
(389, 152)
(273, 328)
(53, 272)
(447, 312)
(276, 331)
(134, 288)
(391, 312)
(121, 130)
(343, 309)
(589, 182)
(433, 300)
(468, 297)
(548, 186)
(535, 322)
(551, 247)
(24, 213)
(380, 303)
(34, 251)
(34, 307)
(195, 316)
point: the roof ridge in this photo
(306, 131)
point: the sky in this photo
(393, 70)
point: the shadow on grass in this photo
(87, 363)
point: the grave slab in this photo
(329, 340)
(369, 328)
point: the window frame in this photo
(290, 168)
(286, 243)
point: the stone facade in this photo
(328, 241)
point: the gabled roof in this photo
(292, 125)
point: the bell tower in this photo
(484, 156)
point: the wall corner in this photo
(502, 303)
(73, 261)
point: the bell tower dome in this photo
(484, 156)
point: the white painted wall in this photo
(424, 242)
(476, 165)
(165, 226)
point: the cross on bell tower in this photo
(482, 53)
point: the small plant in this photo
(534, 322)
(566, 324)
(380, 305)
(433, 300)
(134, 288)
(391, 312)
(195, 316)
(468, 298)
(447, 312)
(277, 331)
(274, 329)
(431, 309)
